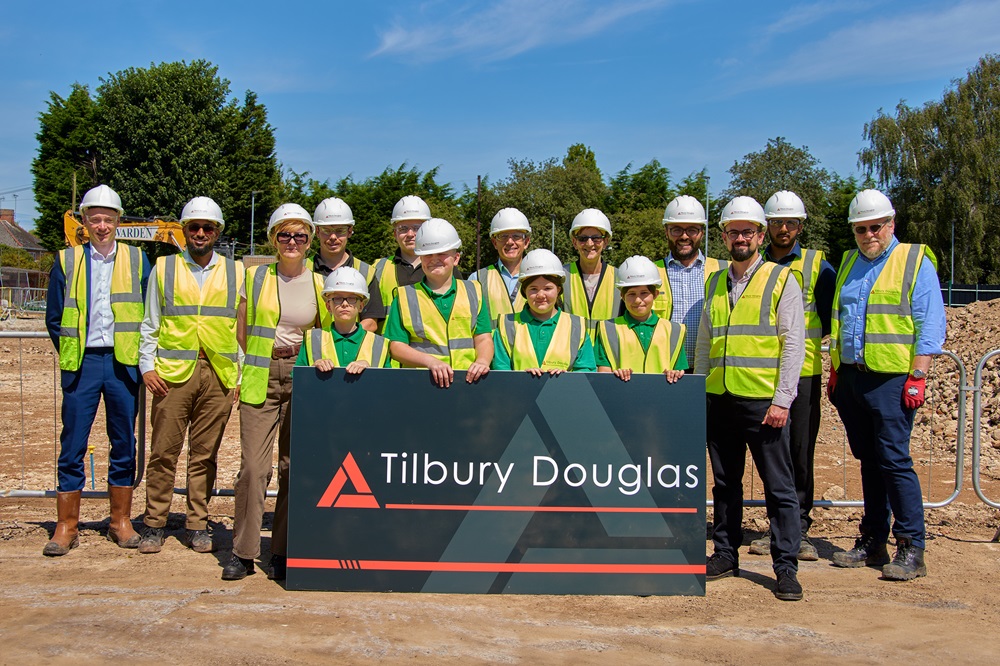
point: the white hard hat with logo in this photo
(333, 211)
(784, 205)
(591, 217)
(345, 279)
(410, 207)
(434, 236)
(637, 271)
(869, 205)
(541, 262)
(745, 209)
(509, 219)
(685, 209)
(202, 208)
(101, 196)
(290, 211)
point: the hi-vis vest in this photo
(806, 270)
(567, 341)
(193, 319)
(126, 305)
(263, 313)
(492, 285)
(449, 341)
(746, 351)
(607, 299)
(663, 306)
(374, 348)
(385, 273)
(890, 335)
(624, 350)
(355, 263)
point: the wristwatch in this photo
(918, 374)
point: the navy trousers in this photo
(878, 429)
(99, 374)
(803, 429)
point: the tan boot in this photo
(67, 536)
(120, 530)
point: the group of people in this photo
(204, 334)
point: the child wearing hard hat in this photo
(639, 340)
(541, 338)
(345, 344)
(441, 323)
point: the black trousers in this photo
(734, 424)
(803, 429)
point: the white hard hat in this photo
(410, 207)
(637, 271)
(785, 204)
(435, 235)
(869, 205)
(333, 211)
(743, 208)
(685, 209)
(346, 279)
(509, 219)
(591, 217)
(541, 262)
(290, 211)
(202, 208)
(102, 196)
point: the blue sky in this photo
(354, 87)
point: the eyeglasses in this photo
(98, 219)
(338, 300)
(677, 232)
(734, 234)
(593, 239)
(516, 236)
(861, 230)
(324, 230)
(287, 237)
(208, 228)
(401, 229)
(791, 224)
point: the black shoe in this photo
(718, 566)
(908, 562)
(278, 567)
(866, 552)
(151, 540)
(787, 587)
(237, 569)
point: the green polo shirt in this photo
(644, 331)
(445, 303)
(541, 333)
(347, 347)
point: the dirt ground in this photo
(100, 602)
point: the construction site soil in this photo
(101, 603)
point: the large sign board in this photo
(576, 484)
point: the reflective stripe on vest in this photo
(492, 285)
(193, 319)
(806, 269)
(663, 305)
(385, 273)
(127, 307)
(890, 334)
(373, 348)
(565, 345)
(607, 299)
(746, 351)
(624, 349)
(367, 271)
(263, 314)
(449, 341)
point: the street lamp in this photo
(15, 208)
(253, 202)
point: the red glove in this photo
(913, 392)
(832, 384)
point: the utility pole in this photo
(479, 234)
(253, 203)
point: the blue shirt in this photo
(687, 288)
(510, 281)
(927, 307)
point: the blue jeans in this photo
(878, 429)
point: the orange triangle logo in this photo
(362, 499)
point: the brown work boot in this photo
(66, 536)
(120, 529)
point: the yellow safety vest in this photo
(663, 306)
(374, 348)
(607, 299)
(746, 350)
(890, 335)
(451, 341)
(126, 305)
(193, 319)
(491, 283)
(567, 341)
(385, 273)
(365, 269)
(624, 350)
(806, 269)
(263, 314)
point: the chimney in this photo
(7, 215)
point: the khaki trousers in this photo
(258, 426)
(199, 408)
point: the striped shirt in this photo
(687, 285)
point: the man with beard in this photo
(786, 215)
(685, 270)
(750, 346)
(888, 321)
(189, 359)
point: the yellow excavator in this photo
(129, 229)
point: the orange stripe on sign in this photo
(541, 509)
(496, 567)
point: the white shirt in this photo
(101, 324)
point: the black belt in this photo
(860, 367)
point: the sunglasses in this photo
(517, 236)
(287, 236)
(207, 227)
(861, 230)
(791, 224)
(593, 239)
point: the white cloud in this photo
(504, 28)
